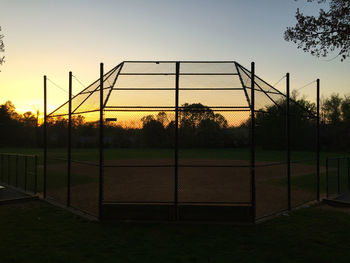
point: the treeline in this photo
(19, 130)
(335, 133)
(199, 126)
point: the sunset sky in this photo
(54, 37)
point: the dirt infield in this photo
(196, 184)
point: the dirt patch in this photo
(140, 180)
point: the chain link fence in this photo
(19, 171)
(181, 140)
(337, 176)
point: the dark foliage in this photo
(17, 129)
(271, 126)
(2, 48)
(328, 32)
(199, 126)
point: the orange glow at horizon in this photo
(133, 119)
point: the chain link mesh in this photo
(185, 144)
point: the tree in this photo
(78, 120)
(332, 109)
(200, 126)
(345, 109)
(147, 119)
(2, 48)
(29, 119)
(191, 115)
(328, 32)
(153, 130)
(271, 124)
(162, 118)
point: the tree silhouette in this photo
(17, 129)
(2, 48)
(329, 31)
(200, 126)
(193, 114)
(332, 109)
(154, 133)
(271, 124)
(345, 108)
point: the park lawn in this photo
(305, 182)
(58, 179)
(39, 232)
(92, 154)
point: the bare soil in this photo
(195, 184)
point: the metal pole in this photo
(16, 183)
(69, 153)
(318, 139)
(2, 167)
(176, 139)
(45, 136)
(348, 174)
(35, 174)
(25, 172)
(338, 174)
(101, 145)
(252, 143)
(9, 169)
(327, 179)
(288, 142)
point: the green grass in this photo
(57, 179)
(91, 154)
(303, 182)
(38, 232)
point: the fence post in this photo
(100, 197)
(318, 139)
(338, 174)
(327, 179)
(2, 167)
(348, 173)
(176, 153)
(8, 169)
(288, 143)
(35, 174)
(252, 143)
(25, 172)
(45, 137)
(69, 153)
(16, 180)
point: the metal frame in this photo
(252, 143)
(288, 143)
(104, 107)
(176, 150)
(327, 179)
(318, 137)
(69, 130)
(45, 137)
(101, 141)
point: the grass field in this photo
(91, 154)
(198, 184)
(38, 232)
